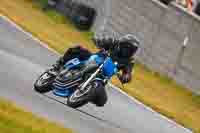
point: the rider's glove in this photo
(126, 73)
(125, 78)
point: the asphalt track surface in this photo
(22, 60)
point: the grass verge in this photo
(14, 120)
(159, 92)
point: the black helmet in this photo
(128, 46)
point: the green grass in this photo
(15, 120)
(153, 89)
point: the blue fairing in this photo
(62, 92)
(108, 70)
(73, 63)
(97, 58)
(66, 91)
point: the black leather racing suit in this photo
(125, 63)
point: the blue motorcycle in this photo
(80, 81)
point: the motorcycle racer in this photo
(122, 49)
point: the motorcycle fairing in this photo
(72, 63)
(108, 70)
(97, 58)
(66, 88)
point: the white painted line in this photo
(149, 108)
(118, 89)
(28, 34)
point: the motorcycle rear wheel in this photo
(43, 83)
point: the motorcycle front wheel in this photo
(82, 97)
(43, 83)
(94, 92)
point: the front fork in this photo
(91, 78)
